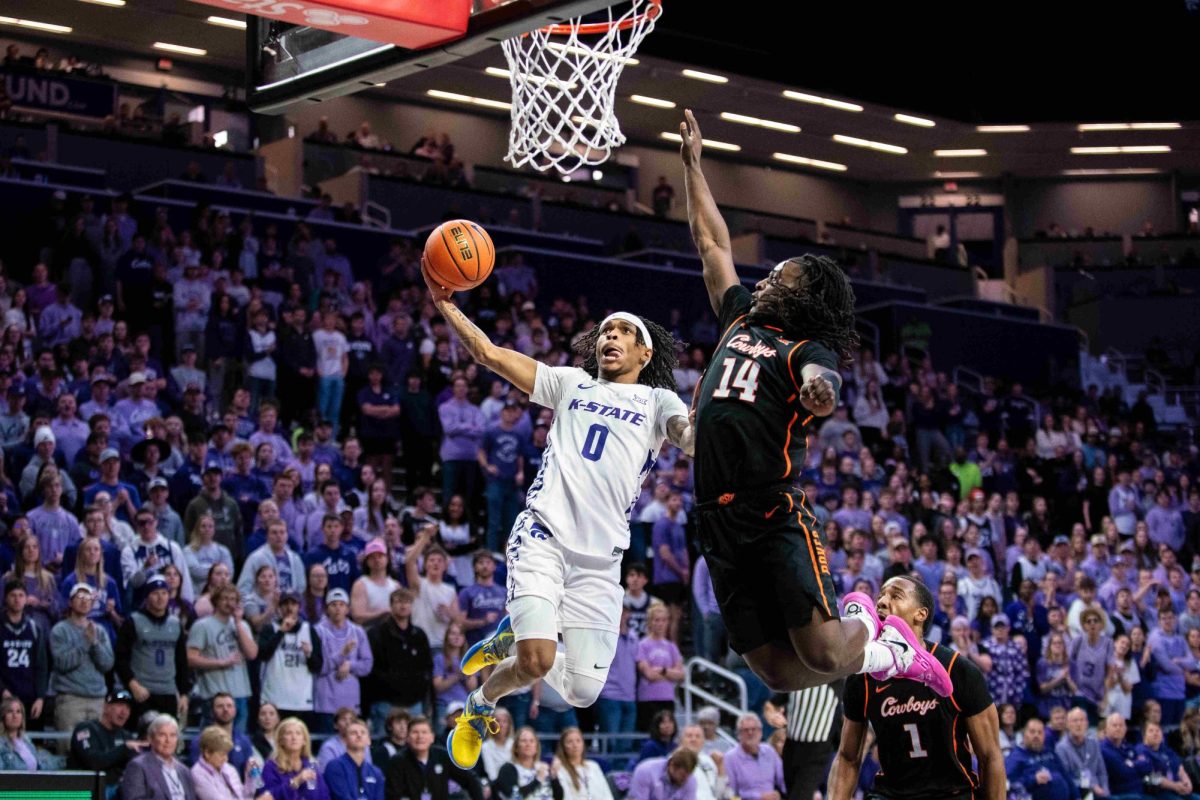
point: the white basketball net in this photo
(564, 90)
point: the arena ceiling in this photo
(1050, 66)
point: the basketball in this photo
(459, 254)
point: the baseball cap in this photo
(454, 708)
(156, 582)
(137, 377)
(43, 434)
(892, 527)
(106, 298)
(978, 494)
(900, 541)
(1060, 539)
(1001, 619)
(159, 483)
(528, 306)
(374, 546)
(81, 587)
(107, 453)
(102, 377)
(213, 466)
(1127, 547)
(120, 696)
(1099, 539)
(290, 596)
(974, 552)
(335, 596)
(512, 404)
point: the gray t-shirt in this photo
(217, 639)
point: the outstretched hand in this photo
(437, 291)
(817, 396)
(689, 131)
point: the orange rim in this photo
(596, 28)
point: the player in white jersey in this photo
(564, 554)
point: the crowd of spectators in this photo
(218, 454)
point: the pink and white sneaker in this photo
(859, 604)
(913, 661)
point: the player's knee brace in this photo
(582, 690)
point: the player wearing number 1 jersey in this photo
(926, 742)
(774, 370)
(564, 554)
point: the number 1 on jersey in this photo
(917, 751)
(746, 381)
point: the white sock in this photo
(877, 658)
(864, 615)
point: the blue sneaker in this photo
(489, 651)
(465, 742)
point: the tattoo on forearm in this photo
(475, 340)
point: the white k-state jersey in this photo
(605, 438)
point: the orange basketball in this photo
(459, 254)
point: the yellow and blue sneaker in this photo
(475, 722)
(489, 651)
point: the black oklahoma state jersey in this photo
(922, 737)
(750, 426)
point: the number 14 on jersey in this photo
(738, 380)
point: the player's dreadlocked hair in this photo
(659, 373)
(821, 308)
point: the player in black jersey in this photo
(773, 372)
(925, 741)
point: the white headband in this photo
(633, 320)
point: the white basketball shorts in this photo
(584, 590)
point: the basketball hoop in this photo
(564, 81)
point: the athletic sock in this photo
(480, 699)
(863, 614)
(877, 658)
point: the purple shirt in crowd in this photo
(752, 776)
(463, 425)
(671, 533)
(54, 531)
(651, 782)
(622, 674)
(329, 693)
(1172, 660)
(702, 589)
(1089, 664)
(477, 601)
(657, 653)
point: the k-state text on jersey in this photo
(616, 412)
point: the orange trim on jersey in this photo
(953, 658)
(787, 457)
(792, 374)
(954, 739)
(791, 503)
(773, 328)
(732, 325)
(807, 420)
(812, 552)
(866, 697)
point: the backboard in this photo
(290, 64)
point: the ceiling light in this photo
(821, 101)
(380, 85)
(179, 48)
(1126, 171)
(908, 119)
(113, 3)
(881, 146)
(713, 143)
(651, 101)
(1129, 126)
(220, 138)
(809, 162)
(226, 22)
(463, 98)
(583, 51)
(35, 25)
(965, 153)
(761, 123)
(1002, 128)
(704, 76)
(498, 72)
(1108, 151)
(968, 174)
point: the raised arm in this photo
(517, 368)
(709, 231)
